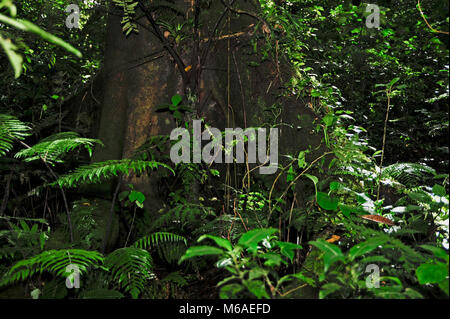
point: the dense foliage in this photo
(372, 217)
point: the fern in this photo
(10, 129)
(408, 174)
(52, 261)
(153, 240)
(170, 246)
(95, 172)
(52, 148)
(131, 267)
(129, 11)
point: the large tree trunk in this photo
(229, 90)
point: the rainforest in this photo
(224, 149)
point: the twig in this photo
(166, 44)
(425, 19)
(388, 93)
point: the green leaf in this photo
(327, 202)
(272, 259)
(224, 243)
(287, 249)
(230, 291)
(439, 190)
(438, 252)
(314, 179)
(136, 197)
(290, 175)
(197, 251)
(444, 285)
(420, 197)
(176, 99)
(328, 120)
(365, 247)
(15, 59)
(335, 186)
(328, 289)
(332, 253)
(25, 25)
(301, 160)
(256, 273)
(431, 273)
(251, 238)
(257, 288)
(395, 80)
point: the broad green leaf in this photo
(420, 197)
(444, 285)
(224, 243)
(327, 202)
(328, 120)
(438, 252)
(431, 273)
(335, 186)
(392, 83)
(365, 247)
(256, 273)
(287, 249)
(332, 253)
(230, 291)
(257, 288)
(176, 99)
(197, 251)
(314, 179)
(136, 197)
(251, 238)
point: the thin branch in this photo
(166, 44)
(426, 21)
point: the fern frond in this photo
(131, 268)
(52, 148)
(153, 240)
(52, 261)
(129, 11)
(10, 129)
(408, 174)
(96, 172)
(169, 246)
